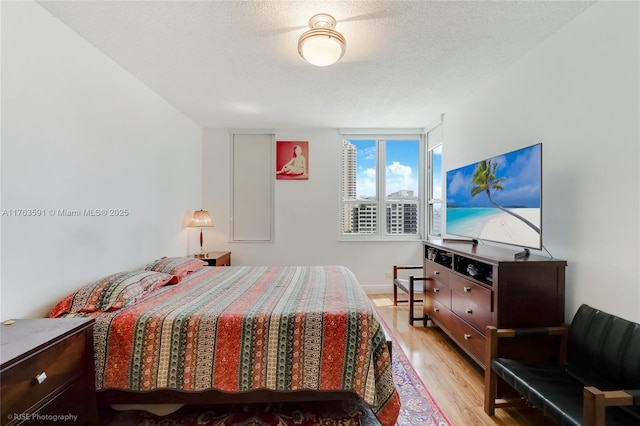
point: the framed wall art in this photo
(292, 160)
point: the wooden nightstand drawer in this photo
(218, 258)
(56, 366)
(47, 366)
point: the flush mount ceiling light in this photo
(321, 45)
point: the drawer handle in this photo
(467, 289)
(467, 336)
(436, 290)
(469, 311)
(41, 377)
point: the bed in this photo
(239, 333)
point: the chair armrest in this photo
(396, 268)
(595, 401)
(411, 277)
(494, 334)
(529, 331)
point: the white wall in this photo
(577, 93)
(306, 214)
(79, 132)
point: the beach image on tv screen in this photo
(498, 199)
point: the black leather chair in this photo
(596, 381)
(412, 286)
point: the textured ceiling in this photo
(234, 64)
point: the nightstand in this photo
(47, 371)
(218, 258)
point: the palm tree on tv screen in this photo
(484, 180)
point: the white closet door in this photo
(252, 180)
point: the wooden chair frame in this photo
(408, 287)
(594, 400)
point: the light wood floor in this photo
(452, 378)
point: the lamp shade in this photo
(321, 45)
(201, 219)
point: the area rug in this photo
(418, 409)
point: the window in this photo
(434, 191)
(433, 187)
(372, 166)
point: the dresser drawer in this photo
(61, 363)
(438, 291)
(481, 295)
(468, 338)
(436, 271)
(470, 312)
(438, 313)
(471, 302)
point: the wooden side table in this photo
(218, 258)
(47, 371)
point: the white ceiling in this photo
(234, 64)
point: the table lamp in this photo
(201, 219)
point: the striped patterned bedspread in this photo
(243, 328)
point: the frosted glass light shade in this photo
(321, 45)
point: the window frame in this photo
(380, 202)
(430, 200)
(434, 138)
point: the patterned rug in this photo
(418, 409)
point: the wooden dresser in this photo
(47, 372)
(472, 286)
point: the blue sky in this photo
(522, 188)
(401, 166)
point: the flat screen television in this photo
(498, 199)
